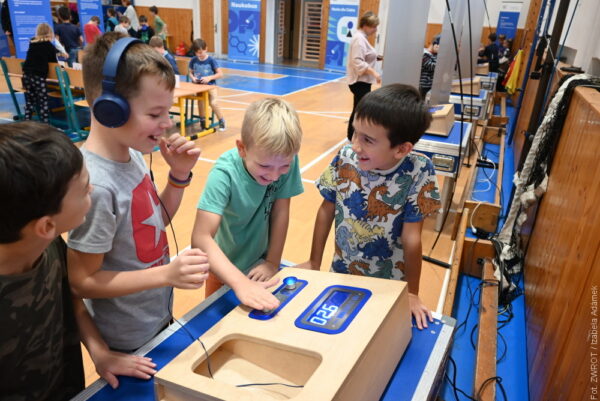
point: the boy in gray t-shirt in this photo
(119, 258)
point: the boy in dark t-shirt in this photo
(45, 192)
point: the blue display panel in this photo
(289, 288)
(334, 309)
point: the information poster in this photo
(342, 25)
(244, 30)
(508, 19)
(25, 16)
(87, 9)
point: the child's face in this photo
(371, 144)
(75, 204)
(149, 116)
(202, 54)
(263, 166)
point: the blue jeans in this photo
(73, 56)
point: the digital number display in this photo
(333, 310)
(329, 308)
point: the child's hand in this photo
(419, 311)
(180, 153)
(254, 294)
(263, 271)
(206, 80)
(189, 270)
(110, 364)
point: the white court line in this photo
(235, 94)
(308, 181)
(204, 159)
(322, 156)
(312, 113)
(314, 86)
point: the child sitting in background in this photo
(157, 44)
(91, 30)
(35, 71)
(379, 192)
(203, 69)
(243, 215)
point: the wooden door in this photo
(207, 23)
(311, 31)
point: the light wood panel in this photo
(207, 23)
(224, 26)
(563, 261)
(178, 20)
(368, 5)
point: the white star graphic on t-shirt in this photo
(155, 220)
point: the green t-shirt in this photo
(245, 207)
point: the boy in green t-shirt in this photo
(243, 214)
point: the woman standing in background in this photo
(360, 71)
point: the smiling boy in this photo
(243, 215)
(120, 256)
(379, 192)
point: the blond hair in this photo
(139, 60)
(272, 125)
(369, 19)
(43, 32)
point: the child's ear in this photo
(403, 149)
(45, 227)
(241, 148)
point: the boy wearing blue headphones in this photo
(119, 258)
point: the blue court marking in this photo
(292, 79)
(7, 106)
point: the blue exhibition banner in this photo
(508, 19)
(4, 49)
(87, 9)
(342, 24)
(25, 16)
(244, 30)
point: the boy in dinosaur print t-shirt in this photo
(379, 191)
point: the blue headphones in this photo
(111, 109)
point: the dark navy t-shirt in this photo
(201, 68)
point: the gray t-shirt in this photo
(125, 224)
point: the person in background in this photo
(203, 69)
(145, 32)
(112, 21)
(91, 30)
(131, 14)
(123, 26)
(490, 53)
(41, 51)
(160, 27)
(360, 71)
(428, 66)
(68, 34)
(157, 44)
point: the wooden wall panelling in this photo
(325, 19)
(224, 26)
(178, 20)
(563, 256)
(263, 31)
(207, 23)
(368, 5)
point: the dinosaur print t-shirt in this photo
(371, 207)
